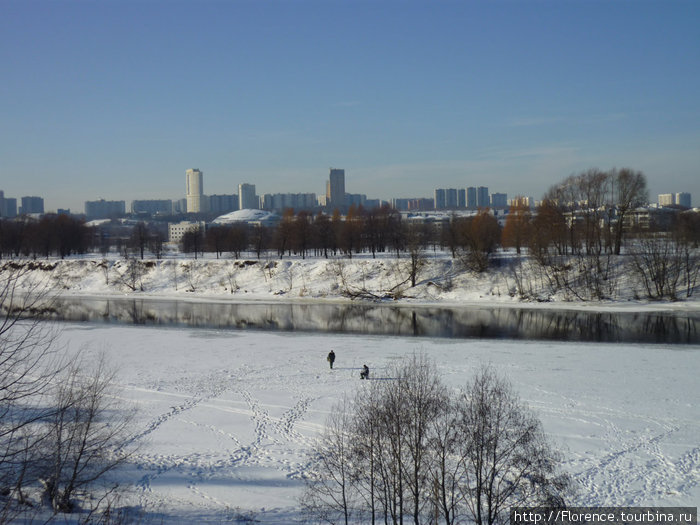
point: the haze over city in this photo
(116, 100)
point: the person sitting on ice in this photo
(365, 372)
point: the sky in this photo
(116, 99)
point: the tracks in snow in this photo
(273, 443)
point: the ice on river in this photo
(226, 417)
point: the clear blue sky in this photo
(116, 99)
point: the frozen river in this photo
(227, 417)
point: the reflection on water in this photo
(510, 323)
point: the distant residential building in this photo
(8, 206)
(177, 230)
(355, 199)
(499, 200)
(195, 191)
(31, 205)
(413, 204)
(451, 200)
(647, 217)
(247, 199)
(482, 197)
(421, 204)
(667, 199)
(103, 209)
(279, 202)
(400, 204)
(461, 198)
(440, 199)
(152, 207)
(683, 199)
(527, 202)
(335, 189)
(370, 204)
(471, 198)
(180, 206)
(223, 203)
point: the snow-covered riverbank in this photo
(441, 280)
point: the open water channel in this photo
(381, 319)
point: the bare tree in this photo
(139, 238)
(156, 241)
(237, 239)
(416, 238)
(517, 227)
(323, 234)
(505, 457)
(87, 434)
(410, 452)
(480, 236)
(215, 239)
(260, 239)
(329, 495)
(658, 263)
(629, 189)
(27, 365)
(302, 233)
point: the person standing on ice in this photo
(365, 372)
(331, 358)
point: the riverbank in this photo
(439, 280)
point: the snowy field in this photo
(226, 417)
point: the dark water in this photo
(490, 323)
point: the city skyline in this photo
(114, 100)
(196, 201)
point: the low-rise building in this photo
(176, 231)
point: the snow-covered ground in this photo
(441, 280)
(227, 416)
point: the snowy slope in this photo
(442, 280)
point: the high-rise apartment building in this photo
(683, 199)
(31, 205)
(440, 199)
(482, 197)
(451, 198)
(195, 191)
(335, 189)
(223, 203)
(8, 206)
(247, 199)
(461, 198)
(471, 197)
(667, 199)
(499, 200)
(279, 202)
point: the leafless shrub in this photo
(132, 273)
(663, 263)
